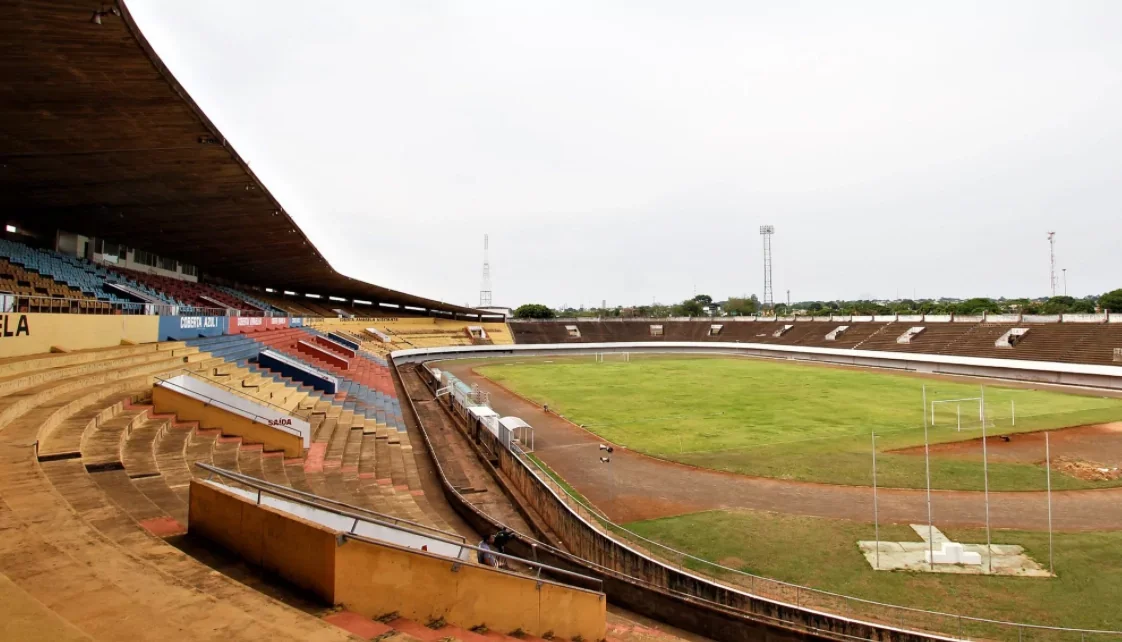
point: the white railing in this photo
(358, 516)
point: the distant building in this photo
(506, 312)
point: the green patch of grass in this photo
(823, 554)
(796, 421)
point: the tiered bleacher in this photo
(113, 168)
(194, 294)
(1087, 339)
(97, 485)
(251, 300)
(76, 274)
(49, 281)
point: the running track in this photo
(635, 487)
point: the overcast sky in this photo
(629, 151)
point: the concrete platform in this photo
(1007, 559)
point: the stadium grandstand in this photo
(167, 325)
(206, 432)
(1071, 338)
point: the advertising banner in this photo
(180, 328)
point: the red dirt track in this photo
(1100, 443)
(636, 487)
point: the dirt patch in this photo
(1101, 443)
(731, 562)
(1087, 470)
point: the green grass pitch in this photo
(795, 420)
(823, 554)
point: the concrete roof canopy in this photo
(98, 138)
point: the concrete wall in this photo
(31, 333)
(299, 551)
(208, 416)
(374, 579)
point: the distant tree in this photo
(935, 307)
(866, 308)
(1083, 306)
(534, 311)
(977, 306)
(813, 307)
(688, 308)
(1111, 301)
(904, 306)
(1067, 305)
(741, 307)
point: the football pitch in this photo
(802, 421)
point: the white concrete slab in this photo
(950, 557)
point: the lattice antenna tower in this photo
(485, 289)
(1052, 260)
(769, 298)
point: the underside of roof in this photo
(98, 138)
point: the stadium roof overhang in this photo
(98, 138)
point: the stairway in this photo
(81, 543)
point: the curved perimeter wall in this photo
(1069, 374)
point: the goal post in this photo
(604, 357)
(957, 409)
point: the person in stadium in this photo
(484, 555)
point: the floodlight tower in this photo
(1052, 260)
(485, 288)
(766, 231)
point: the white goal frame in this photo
(626, 356)
(958, 402)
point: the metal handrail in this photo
(221, 384)
(238, 411)
(382, 519)
(310, 499)
(298, 364)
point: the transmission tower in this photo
(766, 231)
(1052, 260)
(485, 289)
